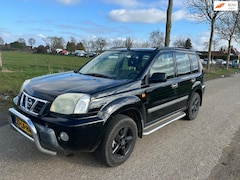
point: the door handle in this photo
(174, 86)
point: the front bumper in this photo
(84, 137)
(34, 133)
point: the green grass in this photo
(19, 66)
(217, 72)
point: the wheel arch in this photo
(196, 88)
(130, 106)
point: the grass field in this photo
(19, 66)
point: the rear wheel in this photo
(193, 107)
(118, 141)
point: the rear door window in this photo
(183, 64)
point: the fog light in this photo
(64, 136)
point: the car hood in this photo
(49, 86)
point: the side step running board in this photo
(158, 125)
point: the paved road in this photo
(183, 150)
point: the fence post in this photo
(0, 59)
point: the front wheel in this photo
(118, 141)
(193, 107)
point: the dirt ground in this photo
(228, 167)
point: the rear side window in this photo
(195, 63)
(183, 64)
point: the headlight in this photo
(23, 85)
(71, 103)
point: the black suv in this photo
(106, 104)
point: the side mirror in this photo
(158, 77)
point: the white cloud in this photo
(141, 15)
(6, 35)
(178, 15)
(41, 36)
(144, 15)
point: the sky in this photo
(92, 19)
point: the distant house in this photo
(221, 54)
(235, 51)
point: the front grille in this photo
(32, 104)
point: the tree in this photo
(55, 42)
(21, 40)
(128, 42)
(168, 23)
(91, 46)
(203, 11)
(100, 44)
(80, 46)
(71, 46)
(118, 43)
(31, 41)
(226, 29)
(156, 38)
(180, 42)
(17, 45)
(215, 44)
(188, 44)
(1, 41)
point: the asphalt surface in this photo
(183, 150)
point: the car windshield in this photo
(117, 64)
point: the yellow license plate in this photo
(23, 126)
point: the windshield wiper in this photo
(97, 75)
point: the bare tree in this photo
(180, 42)
(118, 43)
(22, 41)
(91, 46)
(128, 42)
(215, 44)
(168, 23)
(156, 38)
(1, 41)
(203, 11)
(100, 44)
(226, 29)
(56, 42)
(31, 41)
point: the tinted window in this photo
(195, 64)
(164, 64)
(183, 64)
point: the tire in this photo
(118, 142)
(193, 108)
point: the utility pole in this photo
(168, 23)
